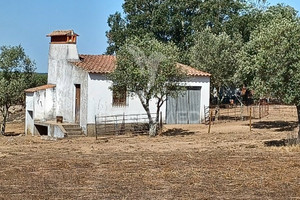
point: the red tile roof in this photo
(105, 64)
(43, 87)
(62, 32)
(102, 64)
(190, 71)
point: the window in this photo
(119, 96)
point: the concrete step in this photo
(73, 130)
(71, 126)
(79, 132)
(82, 135)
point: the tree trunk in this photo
(217, 112)
(158, 124)
(4, 115)
(152, 129)
(298, 113)
(159, 104)
(219, 101)
(152, 124)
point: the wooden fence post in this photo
(123, 125)
(242, 112)
(96, 127)
(210, 116)
(105, 125)
(250, 124)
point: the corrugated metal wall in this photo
(185, 109)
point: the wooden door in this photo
(77, 103)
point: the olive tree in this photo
(216, 54)
(147, 68)
(270, 62)
(16, 70)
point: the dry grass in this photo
(185, 163)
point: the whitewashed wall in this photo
(29, 122)
(65, 93)
(44, 104)
(100, 98)
(65, 76)
(40, 106)
(58, 56)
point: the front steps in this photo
(72, 130)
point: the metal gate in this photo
(185, 109)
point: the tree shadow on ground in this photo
(232, 118)
(275, 143)
(283, 142)
(177, 131)
(11, 134)
(277, 125)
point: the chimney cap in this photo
(62, 33)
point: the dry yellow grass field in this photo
(185, 163)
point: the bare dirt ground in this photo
(186, 163)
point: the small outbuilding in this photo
(78, 90)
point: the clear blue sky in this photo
(27, 22)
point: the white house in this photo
(78, 89)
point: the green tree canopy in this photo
(147, 69)
(266, 38)
(117, 33)
(172, 20)
(16, 71)
(270, 62)
(216, 54)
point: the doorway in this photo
(184, 109)
(77, 103)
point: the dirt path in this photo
(229, 163)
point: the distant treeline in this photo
(39, 79)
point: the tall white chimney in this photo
(62, 49)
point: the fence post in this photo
(96, 126)
(210, 116)
(115, 124)
(250, 124)
(123, 126)
(105, 125)
(242, 112)
(259, 108)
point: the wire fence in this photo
(284, 111)
(229, 113)
(121, 124)
(235, 112)
(139, 123)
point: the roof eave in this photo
(39, 88)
